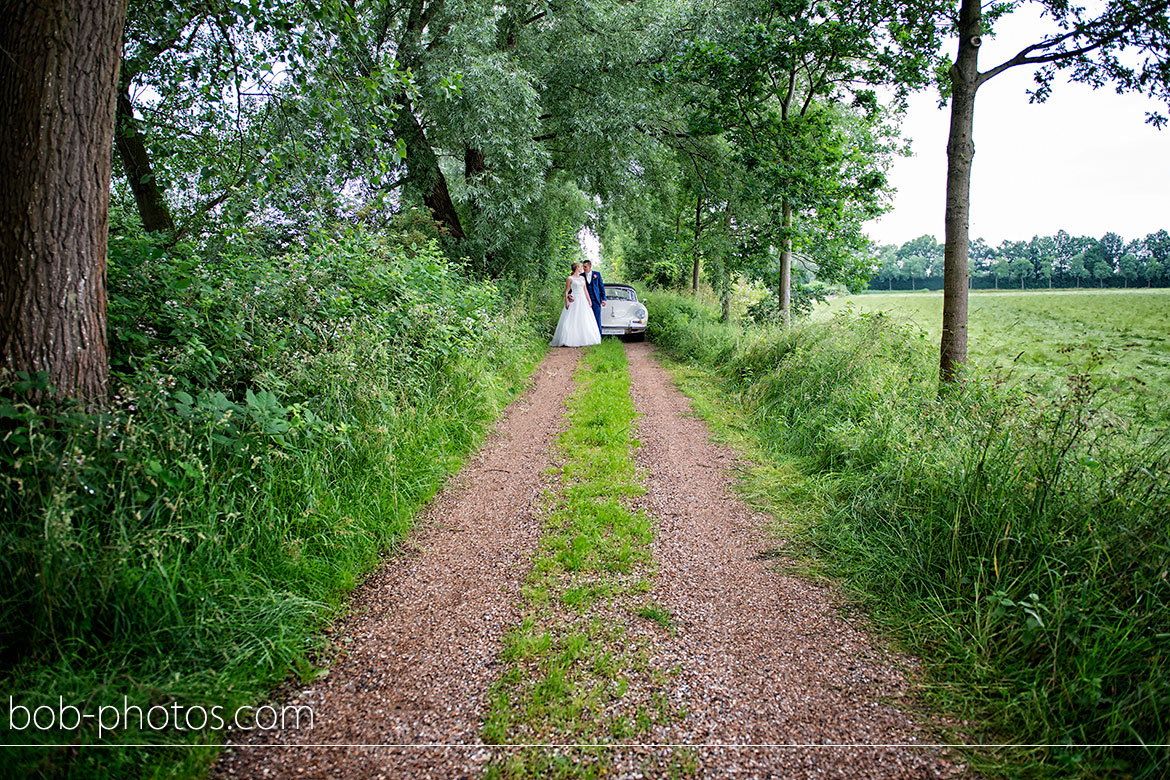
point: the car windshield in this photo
(620, 294)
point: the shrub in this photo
(276, 423)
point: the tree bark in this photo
(423, 168)
(474, 163)
(152, 205)
(786, 263)
(422, 165)
(725, 295)
(964, 75)
(474, 166)
(58, 84)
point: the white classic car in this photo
(623, 314)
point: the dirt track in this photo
(764, 657)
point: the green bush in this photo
(1021, 544)
(276, 423)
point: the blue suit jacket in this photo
(596, 289)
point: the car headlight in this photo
(641, 312)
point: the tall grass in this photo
(1021, 544)
(278, 422)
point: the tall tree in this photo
(1129, 268)
(1096, 50)
(202, 87)
(131, 147)
(918, 258)
(792, 84)
(885, 263)
(58, 82)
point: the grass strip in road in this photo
(577, 669)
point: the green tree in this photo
(791, 84)
(1077, 268)
(1158, 246)
(204, 101)
(1155, 271)
(1002, 268)
(1020, 268)
(1101, 271)
(1127, 266)
(544, 89)
(1100, 268)
(982, 259)
(885, 264)
(1043, 254)
(1094, 49)
(1066, 247)
(919, 258)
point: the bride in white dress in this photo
(577, 327)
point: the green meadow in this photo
(1119, 338)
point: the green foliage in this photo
(1122, 43)
(277, 423)
(1020, 544)
(790, 88)
(253, 110)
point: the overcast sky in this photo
(1084, 161)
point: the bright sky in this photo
(1084, 161)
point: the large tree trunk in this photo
(474, 163)
(422, 165)
(152, 206)
(786, 263)
(58, 82)
(474, 166)
(960, 151)
(423, 168)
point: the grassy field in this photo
(1119, 337)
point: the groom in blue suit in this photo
(596, 291)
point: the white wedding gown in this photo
(576, 327)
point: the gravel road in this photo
(762, 657)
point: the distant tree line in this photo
(1046, 262)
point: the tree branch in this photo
(1117, 29)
